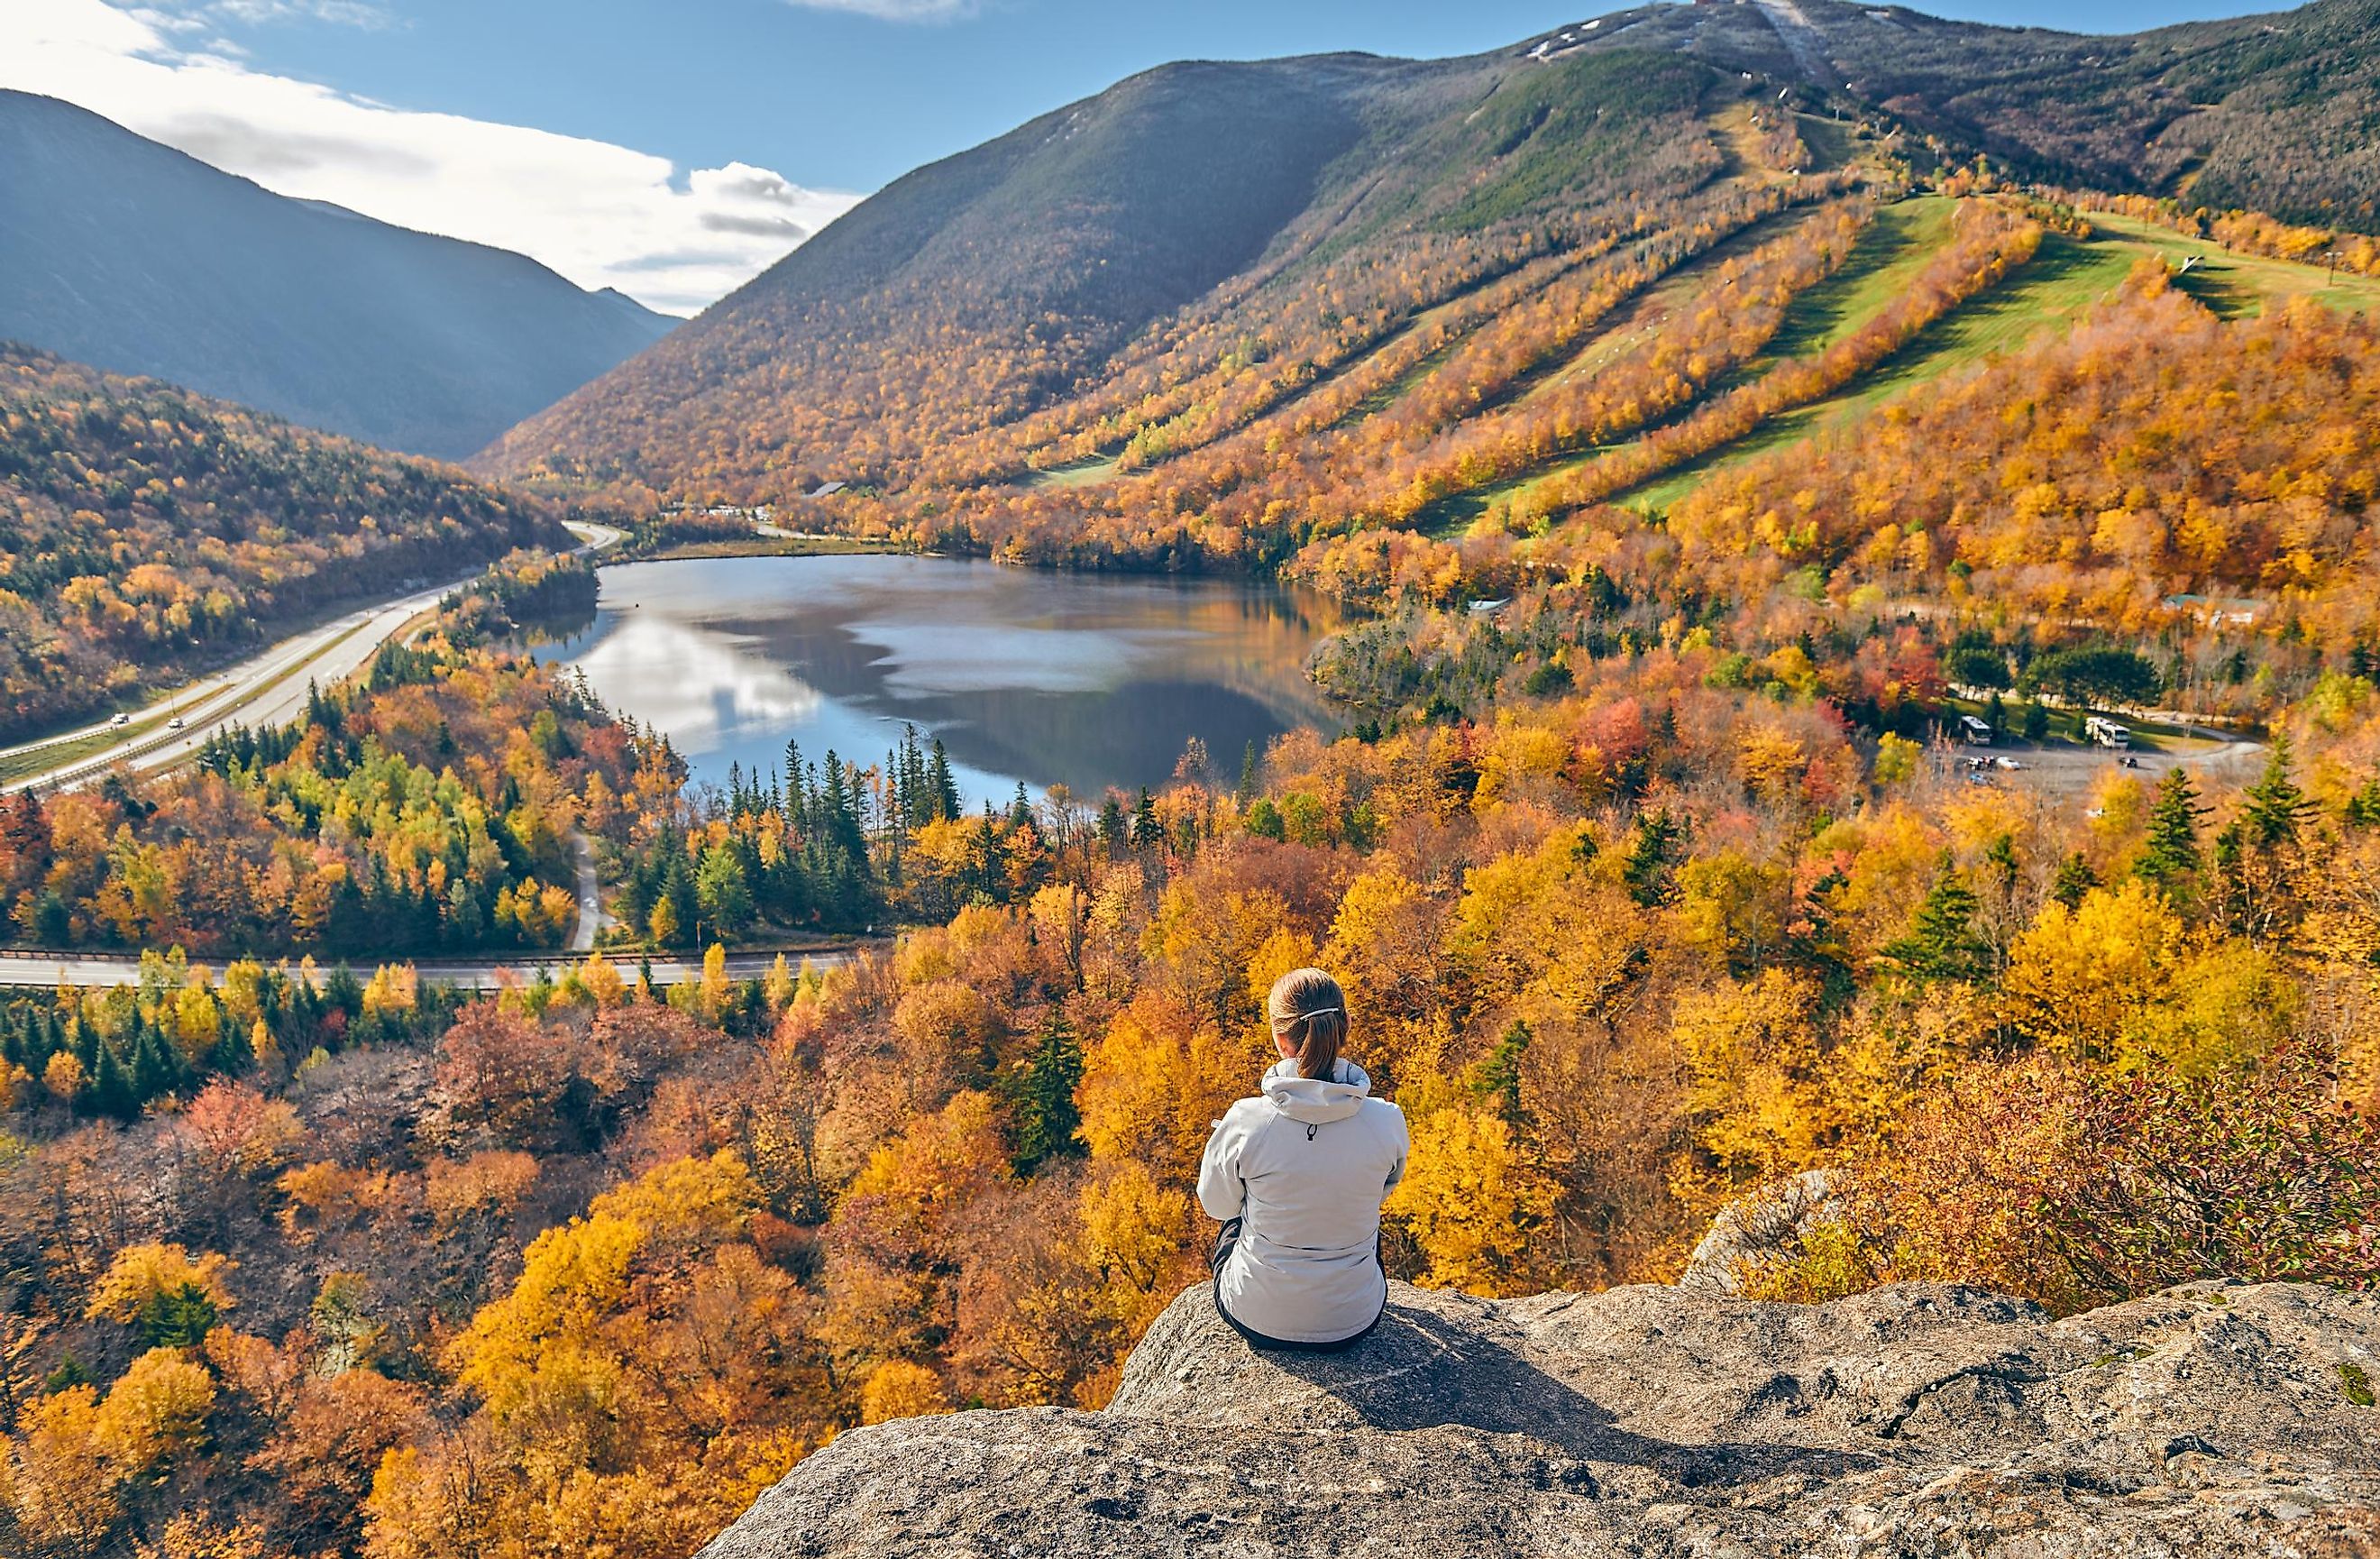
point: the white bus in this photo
(1974, 732)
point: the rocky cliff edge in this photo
(1918, 1419)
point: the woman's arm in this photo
(1221, 1191)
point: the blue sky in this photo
(840, 98)
(672, 147)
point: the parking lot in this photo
(2061, 767)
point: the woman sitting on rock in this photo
(1297, 1175)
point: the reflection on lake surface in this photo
(1091, 680)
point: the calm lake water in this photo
(1090, 680)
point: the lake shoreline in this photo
(1032, 677)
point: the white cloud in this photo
(604, 216)
(897, 10)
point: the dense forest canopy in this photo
(1864, 663)
(145, 531)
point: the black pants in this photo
(1230, 1237)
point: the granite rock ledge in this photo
(1919, 1419)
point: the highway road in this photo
(271, 687)
(266, 689)
(45, 970)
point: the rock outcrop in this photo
(1918, 1420)
(1753, 1227)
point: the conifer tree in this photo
(1941, 942)
(945, 786)
(2075, 879)
(2276, 809)
(156, 1065)
(1499, 1076)
(1652, 852)
(2170, 858)
(110, 1092)
(1046, 1117)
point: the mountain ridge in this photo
(134, 257)
(997, 286)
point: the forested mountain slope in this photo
(2279, 113)
(118, 251)
(1199, 248)
(986, 286)
(144, 528)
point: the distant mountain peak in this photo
(126, 254)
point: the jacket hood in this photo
(1315, 1099)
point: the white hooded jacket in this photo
(1305, 1167)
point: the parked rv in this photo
(2105, 732)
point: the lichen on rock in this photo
(1918, 1420)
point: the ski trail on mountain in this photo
(1802, 40)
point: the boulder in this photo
(1758, 1228)
(1918, 1419)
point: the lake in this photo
(1091, 680)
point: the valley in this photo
(1785, 595)
(267, 689)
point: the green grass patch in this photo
(2355, 1384)
(1888, 257)
(1084, 472)
(2063, 281)
(2233, 285)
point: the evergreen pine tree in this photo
(2363, 807)
(797, 798)
(2276, 809)
(2075, 880)
(2170, 858)
(1146, 829)
(945, 785)
(234, 1051)
(1111, 826)
(1046, 1121)
(156, 1066)
(1941, 943)
(1652, 850)
(2000, 855)
(110, 1091)
(1247, 775)
(1499, 1076)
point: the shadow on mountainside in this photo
(1417, 1370)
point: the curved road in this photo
(45, 970)
(271, 687)
(265, 689)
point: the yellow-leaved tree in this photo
(645, 1377)
(158, 1407)
(1472, 1198)
(1754, 1103)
